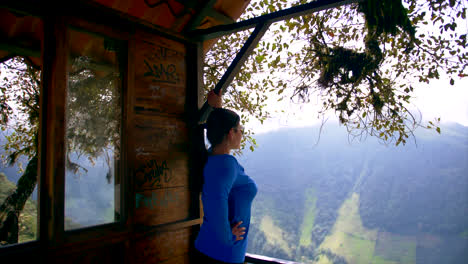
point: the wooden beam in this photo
(195, 21)
(17, 49)
(300, 10)
(188, 3)
(52, 131)
(235, 66)
(208, 11)
(220, 17)
(141, 230)
(25, 7)
(194, 100)
(93, 12)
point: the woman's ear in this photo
(230, 135)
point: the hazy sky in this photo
(436, 99)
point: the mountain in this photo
(335, 200)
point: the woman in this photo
(227, 193)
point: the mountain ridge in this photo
(407, 191)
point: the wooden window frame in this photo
(33, 245)
(118, 229)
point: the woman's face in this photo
(238, 131)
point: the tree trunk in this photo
(14, 203)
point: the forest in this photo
(339, 200)
(329, 199)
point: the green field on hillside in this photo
(309, 216)
(357, 244)
(274, 234)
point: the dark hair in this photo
(219, 124)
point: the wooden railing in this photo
(259, 259)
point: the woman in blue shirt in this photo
(227, 194)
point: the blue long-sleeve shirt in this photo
(227, 197)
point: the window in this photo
(93, 131)
(20, 71)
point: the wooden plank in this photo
(183, 259)
(160, 76)
(112, 254)
(165, 247)
(81, 240)
(52, 131)
(161, 158)
(145, 230)
(161, 206)
(155, 173)
(99, 28)
(159, 133)
(152, 40)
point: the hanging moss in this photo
(347, 66)
(342, 68)
(386, 17)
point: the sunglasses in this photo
(241, 128)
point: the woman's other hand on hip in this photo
(238, 231)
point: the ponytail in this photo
(219, 123)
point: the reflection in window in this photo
(93, 115)
(19, 124)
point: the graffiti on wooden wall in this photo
(157, 199)
(153, 173)
(162, 72)
(161, 67)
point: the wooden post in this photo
(194, 99)
(52, 131)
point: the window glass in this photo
(20, 71)
(93, 125)
(19, 106)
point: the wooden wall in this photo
(161, 206)
(161, 151)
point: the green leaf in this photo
(259, 58)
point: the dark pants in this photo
(200, 258)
